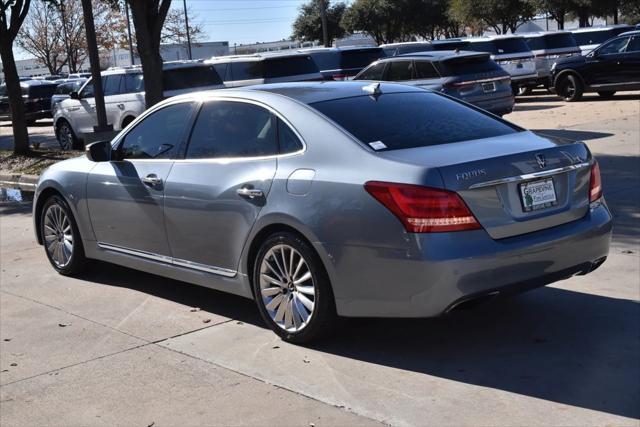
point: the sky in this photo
(237, 21)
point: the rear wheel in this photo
(61, 237)
(292, 289)
(570, 88)
(66, 138)
(606, 94)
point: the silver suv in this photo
(124, 97)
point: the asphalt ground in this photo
(121, 347)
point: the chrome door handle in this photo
(251, 193)
(151, 180)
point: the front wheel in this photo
(61, 237)
(570, 88)
(292, 289)
(606, 94)
(66, 138)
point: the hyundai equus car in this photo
(320, 200)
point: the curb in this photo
(22, 182)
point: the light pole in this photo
(186, 22)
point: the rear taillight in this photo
(423, 209)
(595, 186)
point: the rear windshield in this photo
(40, 91)
(184, 78)
(359, 58)
(450, 45)
(409, 120)
(593, 37)
(469, 65)
(289, 66)
(551, 41)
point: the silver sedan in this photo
(321, 200)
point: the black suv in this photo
(36, 95)
(613, 66)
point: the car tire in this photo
(66, 137)
(570, 88)
(292, 289)
(61, 238)
(606, 94)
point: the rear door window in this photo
(288, 140)
(425, 70)
(413, 119)
(190, 77)
(375, 72)
(112, 84)
(399, 71)
(133, 83)
(246, 70)
(227, 129)
(222, 70)
(614, 46)
(289, 66)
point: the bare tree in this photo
(41, 36)
(175, 31)
(12, 15)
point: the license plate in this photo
(538, 194)
(489, 87)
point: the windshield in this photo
(408, 120)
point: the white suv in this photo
(124, 97)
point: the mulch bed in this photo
(33, 163)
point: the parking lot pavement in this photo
(121, 347)
(39, 133)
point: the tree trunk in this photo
(16, 106)
(152, 71)
(560, 21)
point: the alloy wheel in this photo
(287, 288)
(65, 137)
(58, 235)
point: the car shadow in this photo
(572, 135)
(554, 344)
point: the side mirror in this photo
(74, 95)
(99, 151)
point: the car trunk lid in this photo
(497, 174)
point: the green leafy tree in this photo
(556, 9)
(386, 21)
(500, 15)
(308, 24)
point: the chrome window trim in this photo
(201, 100)
(529, 176)
(169, 260)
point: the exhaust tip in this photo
(472, 302)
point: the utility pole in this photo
(186, 22)
(323, 17)
(94, 60)
(126, 10)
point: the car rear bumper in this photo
(496, 105)
(441, 270)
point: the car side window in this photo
(227, 129)
(614, 46)
(375, 72)
(133, 83)
(634, 44)
(288, 140)
(87, 90)
(425, 70)
(221, 69)
(158, 135)
(111, 84)
(246, 70)
(399, 71)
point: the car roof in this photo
(599, 28)
(37, 82)
(338, 49)
(542, 33)
(306, 92)
(630, 33)
(255, 56)
(440, 55)
(168, 65)
(493, 37)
